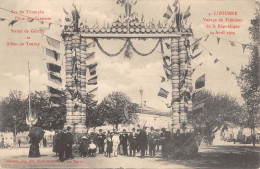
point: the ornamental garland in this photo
(108, 54)
(127, 42)
(144, 54)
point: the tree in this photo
(248, 80)
(117, 108)
(14, 105)
(218, 110)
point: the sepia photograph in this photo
(130, 84)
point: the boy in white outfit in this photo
(116, 141)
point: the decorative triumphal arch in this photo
(80, 39)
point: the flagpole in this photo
(29, 95)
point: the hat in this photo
(84, 137)
(68, 128)
(152, 128)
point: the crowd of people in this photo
(110, 144)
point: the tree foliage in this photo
(16, 105)
(248, 80)
(117, 108)
(218, 110)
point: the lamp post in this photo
(141, 93)
(14, 117)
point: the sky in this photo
(119, 73)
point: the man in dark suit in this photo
(69, 142)
(100, 141)
(61, 144)
(152, 142)
(143, 141)
(123, 140)
(132, 142)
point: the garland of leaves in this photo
(144, 54)
(109, 54)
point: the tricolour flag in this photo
(53, 42)
(12, 22)
(92, 104)
(54, 78)
(93, 90)
(176, 5)
(168, 13)
(186, 13)
(53, 54)
(90, 55)
(200, 82)
(92, 81)
(31, 118)
(54, 91)
(92, 69)
(163, 93)
(53, 67)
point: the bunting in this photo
(200, 82)
(93, 90)
(206, 38)
(244, 47)
(168, 13)
(167, 45)
(12, 22)
(216, 60)
(55, 79)
(54, 91)
(92, 81)
(53, 54)
(53, 67)
(218, 39)
(90, 55)
(187, 13)
(197, 55)
(232, 44)
(176, 5)
(162, 79)
(163, 93)
(92, 69)
(53, 42)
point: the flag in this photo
(175, 4)
(167, 58)
(178, 19)
(186, 13)
(244, 47)
(53, 67)
(31, 20)
(206, 38)
(167, 45)
(196, 55)
(93, 90)
(200, 82)
(53, 54)
(163, 93)
(166, 72)
(54, 91)
(92, 69)
(92, 104)
(165, 63)
(163, 79)
(90, 55)
(2, 19)
(168, 13)
(55, 79)
(91, 96)
(65, 11)
(53, 42)
(216, 60)
(92, 81)
(31, 118)
(196, 41)
(199, 104)
(218, 39)
(232, 44)
(195, 47)
(227, 68)
(12, 22)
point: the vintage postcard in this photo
(129, 84)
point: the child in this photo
(109, 144)
(92, 148)
(116, 142)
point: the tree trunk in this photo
(253, 136)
